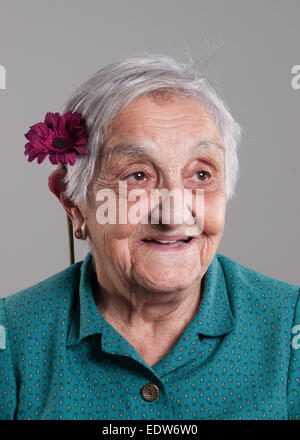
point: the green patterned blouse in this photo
(239, 357)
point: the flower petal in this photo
(48, 120)
(80, 149)
(38, 145)
(68, 117)
(28, 147)
(82, 140)
(62, 125)
(34, 134)
(51, 120)
(32, 155)
(62, 159)
(74, 120)
(53, 159)
(41, 157)
(40, 129)
(71, 157)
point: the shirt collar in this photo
(213, 318)
(86, 320)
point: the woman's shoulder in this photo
(260, 300)
(237, 274)
(55, 291)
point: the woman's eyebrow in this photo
(131, 150)
(206, 143)
(124, 149)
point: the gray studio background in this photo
(50, 47)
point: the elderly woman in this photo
(153, 323)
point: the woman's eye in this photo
(203, 175)
(138, 176)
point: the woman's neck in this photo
(143, 319)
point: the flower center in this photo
(59, 143)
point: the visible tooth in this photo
(164, 241)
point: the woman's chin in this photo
(165, 278)
(158, 270)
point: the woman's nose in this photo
(176, 207)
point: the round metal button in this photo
(150, 392)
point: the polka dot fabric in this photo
(237, 359)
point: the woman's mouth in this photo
(164, 243)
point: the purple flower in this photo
(60, 137)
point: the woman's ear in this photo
(55, 181)
(57, 186)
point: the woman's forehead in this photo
(152, 120)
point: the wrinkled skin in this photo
(145, 290)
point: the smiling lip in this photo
(167, 242)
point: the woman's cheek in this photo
(129, 216)
(121, 232)
(214, 214)
(115, 219)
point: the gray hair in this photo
(112, 88)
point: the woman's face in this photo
(156, 142)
